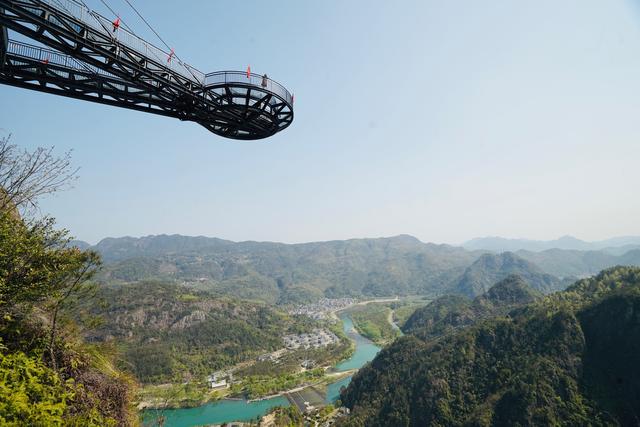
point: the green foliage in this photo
(440, 315)
(372, 321)
(35, 263)
(567, 359)
(289, 416)
(450, 312)
(31, 393)
(167, 333)
(259, 386)
(48, 376)
(404, 308)
(183, 395)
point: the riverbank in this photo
(328, 379)
(254, 379)
(256, 384)
(173, 396)
(225, 410)
(375, 322)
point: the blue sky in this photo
(445, 120)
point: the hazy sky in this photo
(446, 120)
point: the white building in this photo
(218, 380)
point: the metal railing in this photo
(48, 56)
(222, 77)
(103, 25)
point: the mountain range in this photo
(282, 273)
(616, 245)
(294, 273)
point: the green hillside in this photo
(447, 313)
(170, 333)
(280, 273)
(490, 268)
(567, 359)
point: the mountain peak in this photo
(492, 268)
(511, 290)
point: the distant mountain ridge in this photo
(567, 263)
(287, 273)
(489, 269)
(293, 273)
(116, 249)
(500, 244)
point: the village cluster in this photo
(315, 339)
(322, 309)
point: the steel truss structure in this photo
(83, 55)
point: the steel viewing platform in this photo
(86, 56)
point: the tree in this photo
(27, 175)
(47, 379)
(37, 264)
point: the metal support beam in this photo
(4, 42)
(86, 60)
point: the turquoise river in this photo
(240, 410)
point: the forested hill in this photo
(490, 268)
(276, 272)
(570, 358)
(171, 333)
(447, 313)
(121, 248)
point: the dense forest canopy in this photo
(569, 358)
(450, 311)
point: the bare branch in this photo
(25, 176)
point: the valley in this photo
(176, 326)
(441, 231)
(193, 354)
(247, 410)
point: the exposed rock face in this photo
(189, 320)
